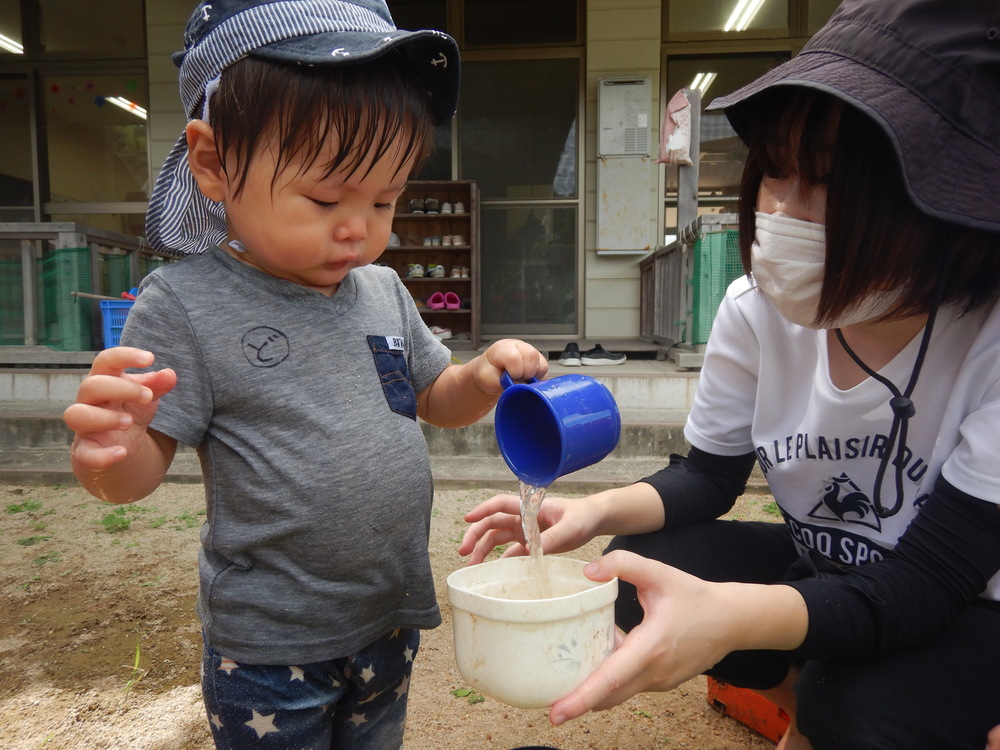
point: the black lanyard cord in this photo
(902, 409)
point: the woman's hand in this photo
(689, 626)
(565, 524)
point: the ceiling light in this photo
(121, 101)
(742, 15)
(702, 81)
(10, 45)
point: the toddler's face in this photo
(309, 229)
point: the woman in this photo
(858, 364)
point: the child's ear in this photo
(204, 161)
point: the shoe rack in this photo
(430, 236)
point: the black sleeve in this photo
(942, 562)
(700, 486)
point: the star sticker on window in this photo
(262, 724)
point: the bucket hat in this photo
(928, 73)
(180, 219)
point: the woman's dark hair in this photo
(364, 108)
(876, 237)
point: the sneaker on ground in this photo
(415, 271)
(436, 271)
(600, 356)
(570, 356)
(441, 334)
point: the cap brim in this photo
(433, 56)
(943, 168)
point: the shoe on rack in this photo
(459, 207)
(394, 240)
(436, 301)
(570, 356)
(432, 206)
(436, 271)
(441, 334)
(452, 301)
(465, 272)
(417, 206)
(456, 272)
(600, 356)
(447, 208)
(415, 271)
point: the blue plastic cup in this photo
(549, 428)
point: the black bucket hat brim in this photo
(931, 100)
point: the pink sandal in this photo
(451, 301)
(437, 300)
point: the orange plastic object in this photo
(748, 707)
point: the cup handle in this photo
(507, 381)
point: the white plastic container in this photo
(522, 650)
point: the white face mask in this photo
(788, 260)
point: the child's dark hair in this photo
(363, 108)
(876, 237)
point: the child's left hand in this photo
(520, 360)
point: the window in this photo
(80, 81)
(519, 141)
(705, 19)
(17, 186)
(517, 22)
(108, 29)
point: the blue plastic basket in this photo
(114, 312)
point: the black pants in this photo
(943, 695)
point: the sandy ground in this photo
(100, 645)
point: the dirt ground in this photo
(100, 645)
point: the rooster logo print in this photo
(844, 501)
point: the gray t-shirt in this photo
(317, 477)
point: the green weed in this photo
(48, 557)
(31, 541)
(137, 671)
(116, 521)
(26, 507)
(469, 694)
(772, 508)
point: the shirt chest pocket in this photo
(390, 362)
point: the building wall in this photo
(165, 23)
(623, 39)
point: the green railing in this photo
(51, 273)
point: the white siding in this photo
(623, 38)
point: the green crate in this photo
(716, 264)
(115, 275)
(63, 322)
(11, 304)
(149, 263)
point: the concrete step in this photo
(654, 398)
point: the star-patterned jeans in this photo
(354, 703)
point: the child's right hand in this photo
(113, 408)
